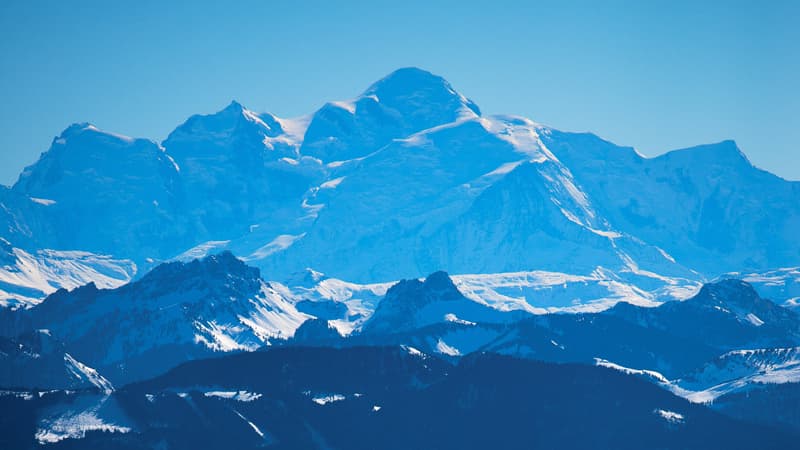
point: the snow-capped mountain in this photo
(405, 179)
(111, 272)
(413, 304)
(435, 317)
(238, 169)
(485, 183)
(407, 101)
(106, 193)
(185, 311)
(728, 314)
(707, 206)
(673, 338)
(714, 349)
(178, 311)
(347, 306)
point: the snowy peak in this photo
(82, 154)
(233, 171)
(176, 312)
(724, 153)
(223, 267)
(316, 332)
(437, 287)
(405, 102)
(441, 286)
(417, 92)
(411, 305)
(75, 129)
(234, 121)
(233, 136)
(88, 130)
(101, 192)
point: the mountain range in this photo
(388, 397)
(401, 256)
(406, 179)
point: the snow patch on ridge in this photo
(75, 427)
(278, 244)
(541, 292)
(652, 374)
(445, 349)
(324, 400)
(332, 184)
(669, 416)
(252, 425)
(450, 317)
(84, 372)
(43, 201)
(239, 396)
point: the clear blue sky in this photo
(656, 75)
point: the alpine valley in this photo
(397, 270)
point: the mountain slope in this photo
(727, 314)
(404, 102)
(708, 206)
(26, 278)
(176, 312)
(236, 164)
(780, 285)
(133, 182)
(488, 184)
(744, 370)
(38, 361)
(391, 398)
(412, 304)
